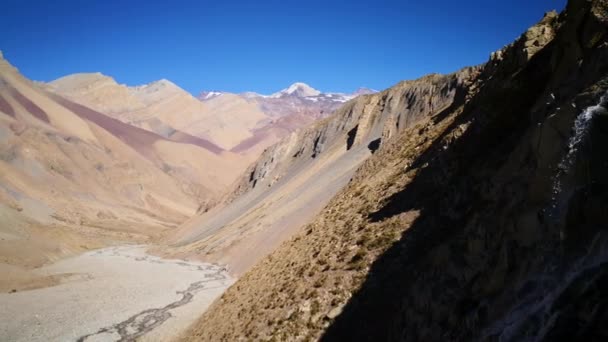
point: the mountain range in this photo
(463, 206)
(71, 167)
(243, 123)
(101, 162)
(468, 206)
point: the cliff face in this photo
(294, 179)
(363, 123)
(486, 222)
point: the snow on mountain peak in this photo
(297, 89)
(208, 95)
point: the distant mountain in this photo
(462, 207)
(303, 90)
(71, 175)
(163, 108)
(297, 89)
(98, 91)
(245, 123)
(287, 110)
(208, 95)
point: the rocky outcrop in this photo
(242, 123)
(484, 223)
(292, 108)
(295, 178)
(376, 117)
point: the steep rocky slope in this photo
(72, 178)
(294, 179)
(485, 222)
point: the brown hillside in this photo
(484, 222)
(72, 178)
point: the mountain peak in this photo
(162, 86)
(208, 95)
(163, 82)
(82, 80)
(299, 89)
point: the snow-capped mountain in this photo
(298, 89)
(208, 95)
(284, 111)
(298, 97)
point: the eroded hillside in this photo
(161, 107)
(295, 178)
(242, 123)
(484, 222)
(72, 178)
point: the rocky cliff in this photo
(485, 222)
(364, 122)
(295, 178)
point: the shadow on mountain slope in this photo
(497, 252)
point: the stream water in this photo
(578, 139)
(534, 311)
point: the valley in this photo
(460, 206)
(112, 294)
(95, 176)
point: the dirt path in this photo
(122, 295)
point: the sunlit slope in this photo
(63, 164)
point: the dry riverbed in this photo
(112, 294)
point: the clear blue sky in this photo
(260, 46)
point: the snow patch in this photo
(297, 89)
(210, 95)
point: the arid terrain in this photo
(462, 206)
(242, 123)
(481, 216)
(111, 294)
(90, 167)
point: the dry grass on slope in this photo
(299, 289)
(448, 215)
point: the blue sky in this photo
(260, 46)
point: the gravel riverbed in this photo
(113, 294)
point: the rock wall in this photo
(366, 119)
(293, 180)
